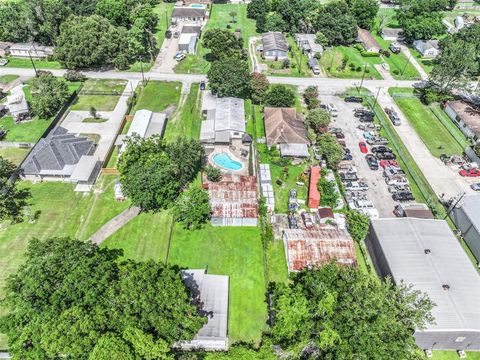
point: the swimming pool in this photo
(225, 161)
(197, 6)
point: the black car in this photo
(365, 119)
(168, 34)
(347, 157)
(292, 222)
(403, 196)
(372, 162)
(354, 99)
(385, 156)
(363, 112)
(394, 48)
(381, 149)
(202, 85)
(348, 177)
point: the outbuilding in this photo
(466, 216)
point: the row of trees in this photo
(337, 21)
(86, 33)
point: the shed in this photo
(146, 123)
(187, 43)
(426, 254)
(292, 150)
(466, 216)
(313, 193)
(466, 117)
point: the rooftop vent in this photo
(446, 287)
(427, 251)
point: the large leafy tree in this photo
(342, 313)
(337, 23)
(13, 200)
(365, 12)
(48, 94)
(279, 96)
(358, 225)
(15, 24)
(116, 11)
(47, 15)
(330, 149)
(74, 300)
(298, 15)
(257, 8)
(318, 120)
(153, 172)
(230, 77)
(259, 86)
(192, 208)
(222, 43)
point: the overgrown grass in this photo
(156, 96)
(276, 262)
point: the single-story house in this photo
(466, 216)
(234, 201)
(274, 45)
(225, 119)
(187, 13)
(367, 40)
(62, 156)
(313, 193)
(17, 103)
(188, 39)
(466, 117)
(315, 247)
(146, 123)
(308, 44)
(211, 291)
(392, 34)
(426, 254)
(427, 48)
(285, 128)
(31, 49)
(5, 48)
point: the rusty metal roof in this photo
(312, 248)
(234, 197)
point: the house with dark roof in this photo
(274, 46)
(62, 156)
(285, 128)
(188, 13)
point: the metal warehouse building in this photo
(466, 216)
(425, 253)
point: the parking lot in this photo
(378, 189)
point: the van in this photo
(332, 109)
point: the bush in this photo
(229, 26)
(328, 194)
(396, 72)
(213, 174)
(369, 54)
(74, 75)
(358, 225)
(358, 69)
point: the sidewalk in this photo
(414, 62)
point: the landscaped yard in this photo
(14, 154)
(433, 133)
(219, 18)
(187, 123)
(233, 251)
(156, 96)
(452, 355)
(101, 94)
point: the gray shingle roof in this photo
(188, 12)
(274, 41)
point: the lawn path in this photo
(115, 224)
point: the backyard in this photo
(219, 18)
(428, 126)
(14, 154)
(101, 94)
(156, 96)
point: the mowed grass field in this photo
(331, 63)
(15, 155)
(156, 96)
(102, 94)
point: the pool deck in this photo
(234, 155)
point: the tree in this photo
(233, 15)
(14, 23)
(116, 11)
(335, 21)
(213, 174)
(330, 149)
(192, 208)
(222, 43)
(274, 22)
(310, 96)
(318, 120)
(321, 39)
(358, 225)
(48, 94)
(13, 200)
(153, 172)
(45, 17)
(279, 96)
(328, 193)
(230, 77)
(365, 11)
(298, 15)
(257, 8)
(326, 313)
(91, 41)
(259, 86)
(72, 297)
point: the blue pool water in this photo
(196, 6)
(225, 161)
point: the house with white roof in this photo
(146, 123)
(16, 102)
(427, 48)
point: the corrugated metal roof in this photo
(307, 248)
(403, 242)
(313, 193)
(471, 206)
(274, 40)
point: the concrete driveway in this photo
(378, 189)
(165, 61)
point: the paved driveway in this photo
(378, 189)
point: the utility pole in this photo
(376, 98)
(450, 209)
(363, 76)
(143, 74)
(405, 67)
(33, 64)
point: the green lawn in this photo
(26, 131)
(276, 262)
(15, 155)
(452, 355)
(331, 63)
(431, 130)
(5, 79)
(156, 96)
(233, 251)
(426, 64)
(111, 88)
(15, 62)
(219, 18)
(188, 122)
(164, 12)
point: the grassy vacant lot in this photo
(276, 262)
(233, 251)
(433, 133)
(332, 63)
(15, 62)
(219, 18)
(5, 79)
(187, 123)
(156, 96)
(27, 131)
(102, 94)
(15, 155)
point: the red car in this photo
(388, 163)
(470, 172)
(363, 147)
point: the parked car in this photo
(354, 99)
(3, 133)
(393, 116)
(3, 62)
(316, 153)
(332, 110)
(292, 221)
(359, 112)
(307, 220)
(348, 176)
(403, 196)
(203, 85)
(342, 142)
(176, 34)
(168, 34)
(347, 157)
(385, 156)
(372, 162)
(380, 149)
(396, 180)
(378, 141)
(369, 135)
(389, 163)
(397, 188)
(470, 172)
(356, 186)
(389, 172)
(395, 48)
(366, 119)
(339, 135)
(293, 204)
(180, 56)
(335, 130)
(361, 204)
(363, 147)
(475, 187)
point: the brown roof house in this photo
(466, 117)
(368, 41)
(285, 128)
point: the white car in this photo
(401, 180)
(3, 62)
(332, 109)
(180, 56)
(360, 204)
